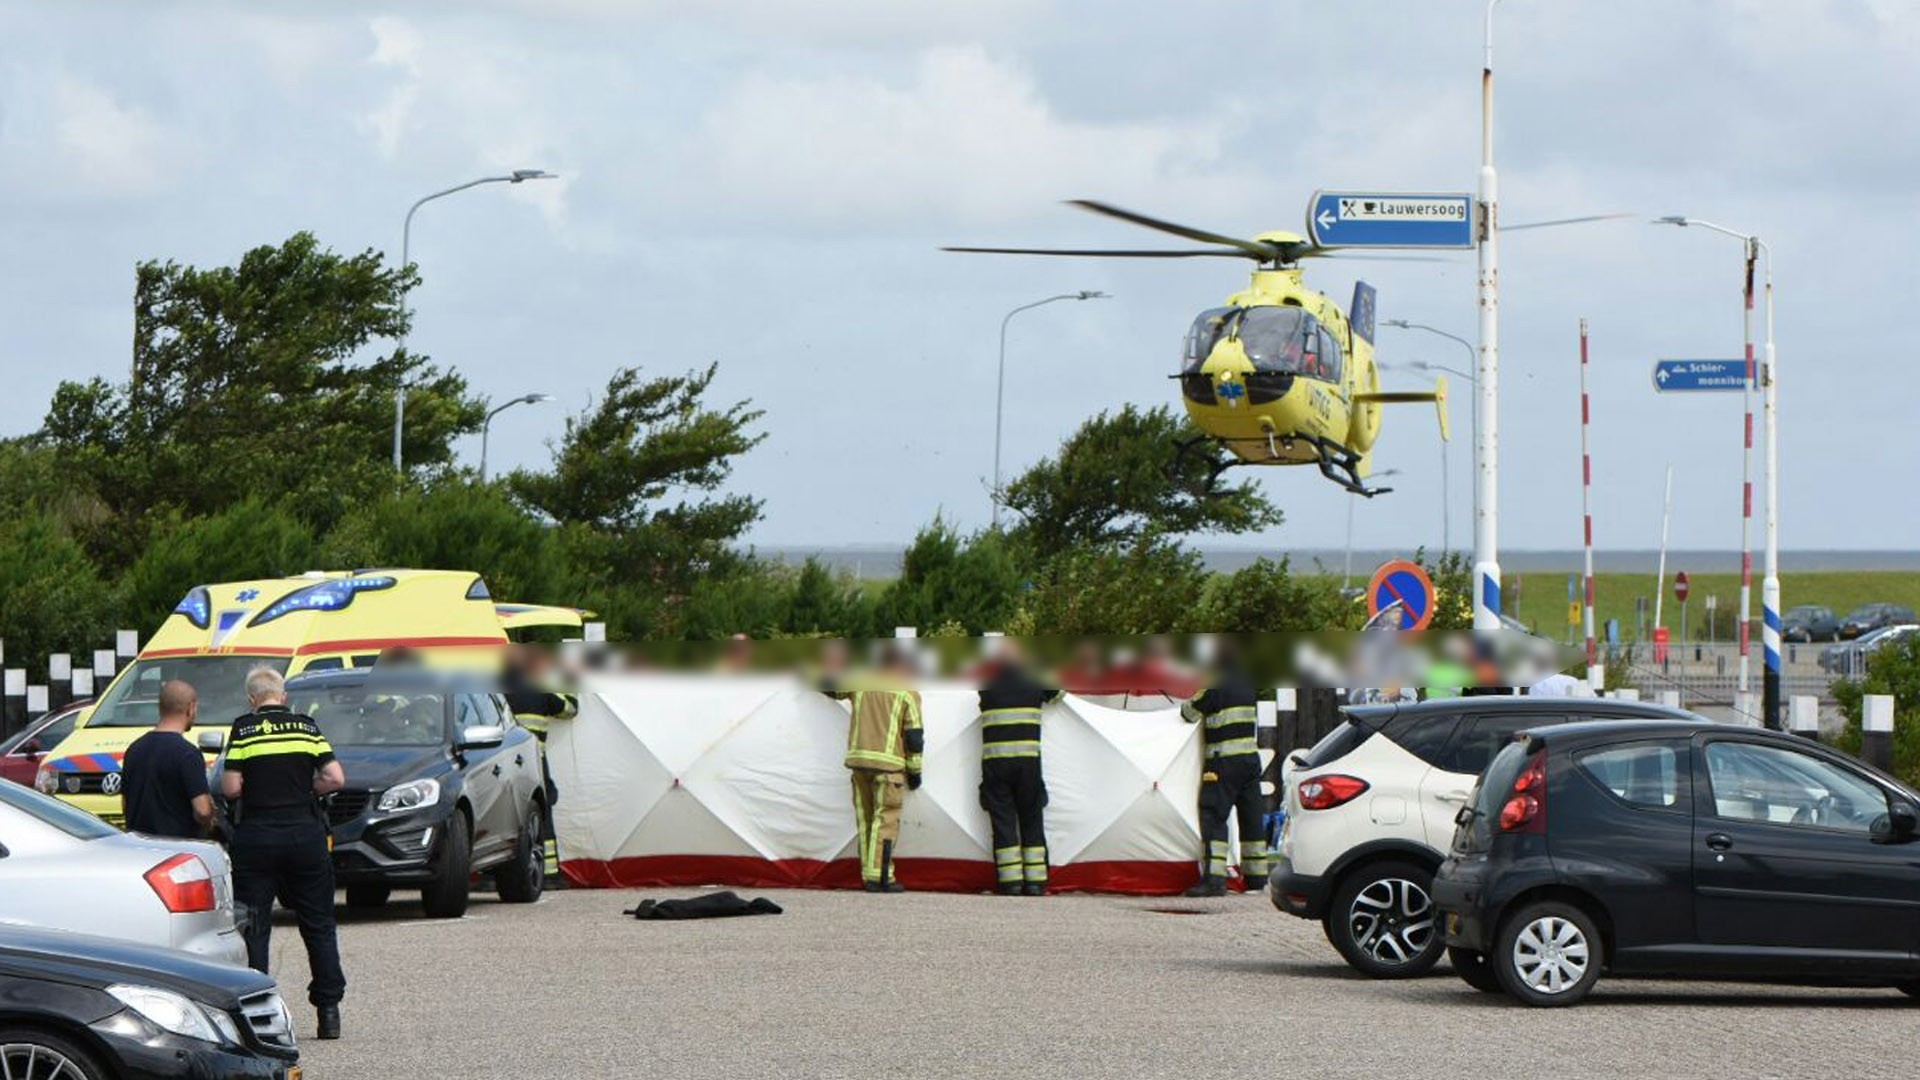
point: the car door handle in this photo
(1719, 841)
(1453, 796)
(518, 761)
(496, 770)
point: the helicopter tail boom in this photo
(1438, 395)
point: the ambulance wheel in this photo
(446, 896)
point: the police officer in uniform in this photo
(277, 767)
(1230, 783)
(1011, 787)
(534, 706)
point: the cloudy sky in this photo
(764, 183)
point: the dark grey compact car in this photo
(1680, 850)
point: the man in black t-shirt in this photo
(163, 777)
(278, 765)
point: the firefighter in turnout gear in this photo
(1012, 790)
(884, 747)
(1231, 780)
(534, 707)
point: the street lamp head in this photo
(1401, 323)
(535, 399)
(1673, 219)
(530, 174)
(1089, 294)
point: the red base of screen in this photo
(1132, 878)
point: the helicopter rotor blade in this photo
(1253, 248)
(1227, 253)
(1341, 253)
(1565, 221)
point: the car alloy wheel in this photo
(39, 1062)
(1392, 920)
(1383, 921)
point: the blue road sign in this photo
(1690, 376)
(1389, 219)
(1402, 584)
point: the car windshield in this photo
(1806, 614)
(51, 811)
(221, 681)
(356, 716)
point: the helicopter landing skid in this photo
(1215, 466)
(1342, 466)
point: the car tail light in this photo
(183, 883)
(1327, 792)
(1526, 808)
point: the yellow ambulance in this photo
(315, 622)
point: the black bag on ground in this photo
(720, 905)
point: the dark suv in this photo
(1680, 850)
(441, 784)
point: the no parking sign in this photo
(1406, 584)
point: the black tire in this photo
(18, 1044)
(1383, 922)
(1911, 989)
(1474, 970)
(368, 896)
(446, 897)
(524, 877)
(1548, 955)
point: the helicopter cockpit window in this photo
(1205, 334)
(1276, 337)
(1330, 358)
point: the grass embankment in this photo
(1543, 596)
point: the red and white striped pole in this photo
(1596, 671)
(1748, 714)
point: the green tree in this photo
(823, 602)
(456, 525)
(1149, 586)
(1115, 480)
(251, 378)
(1894, 669)
(1268, 597)
(52, 598)
(945, 577)
(250, 539)
(635, 481)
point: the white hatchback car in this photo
(1370, 813)
(65, 869)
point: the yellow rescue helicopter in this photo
(1280, 375)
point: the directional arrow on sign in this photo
(1325, 219)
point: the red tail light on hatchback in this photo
(183, 883)
(1327, 792)
(1526, 807)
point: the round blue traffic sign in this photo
(1405, 585)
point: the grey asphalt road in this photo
(852, 985)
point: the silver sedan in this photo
(66, 869)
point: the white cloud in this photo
(964, 139)
(112, 148)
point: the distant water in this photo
(883, 561)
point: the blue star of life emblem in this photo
(1232, 392)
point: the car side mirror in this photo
(212, 740)
(1898, 826)
(481, 737)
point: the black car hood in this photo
(100, 962)
(376, 768)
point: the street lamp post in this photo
(406, 247)
(1770, 585)
(524, 399)
(1422, 365)
(1000, 385)
(1346, 576)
